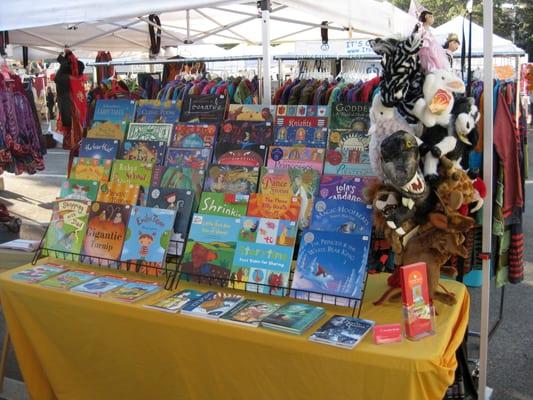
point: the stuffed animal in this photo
(436, 105)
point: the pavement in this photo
(510, 362)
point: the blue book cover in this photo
(188, 157)
(148, 235)
(342, 216)
(145, 150)
(342, 331)
(304, 135)
(331, 263)
(101, 285)
(117, 110)
(212, 305)
(106, 149)
(157, 111)
(293, 317)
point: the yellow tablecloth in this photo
(71, 346)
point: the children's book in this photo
(148, 238)
(341, 331)
(284, 157)
(133, 291)
(224, 204)
(263, 256)
(205, 108)
(100, 285)
(91, 169)
(39, 273)
(211, 246)
(116, 110)
(212, 305)
(106, 149)
(157, 111)
(79, 189)
(298, 182)
(133, 172)
(176, 301)
(69, 279)
(353, 116)
(238, 132)
(293, 318)
(249, 312)
(347, 153)
(108, 130)
(194, 135)
(190, 158)
(181, 201)
(244, 155)
(144, 150)
(251, 112)
(231, 179)
(339, 187)
(342, 216)
(119, 193)
(301, 135)
(302, 111)
(331, 263)
(277, 206)
(154, 132)
(180, 178)
(106, 232)
(67, 228)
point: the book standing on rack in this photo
(106, 149)
(133, 291)
(176, 301)
(188, 157)
(119, 193)
(39, 273)
(100, 286)
(144, 150)
(284, 157)
(251, 112)
(276, 206)
(157, 111)
(91, 169)
(294, 318)
(348, 154)
(244, 155)
(352, 116)
(79, 189)
(301, 135)
(207, 108)
(116, 110)
(69, 279)
(194, 135)
(249, 313)
(179, 178)
(223, 204)
(341, 331)
(152, 132)
(135, 173)
(341, 187)
(342, 216)
(231, 179)
(108, 130)
(244, 132)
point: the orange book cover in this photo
(118, 193)
(275, 206)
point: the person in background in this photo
(50, 103)
(451, 46)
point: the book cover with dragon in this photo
(296, 157)
(251, 112)
(204, 108)
(133, 172)
(210, 246)
(181, 201)
(188, 157)
(119, 193)
(263, 256)
(106, 149)
(194, 135)
(244, 155)
(108, 130)
(341, 187)
(79, 189)
(277, 206)
(301, 135)
(69, 279)
(116, 110)
(331, 263)
(342, 216)
(353, 116)
(153, 132)
(90, 169)
(144, 150)
(231, 179)
(157, 111)
(347, 154)
(224, 204)
(246, 132)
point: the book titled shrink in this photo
(39, 273)
(341, 331)
(249, 312)
(100, 285)
(293, 318)
(133, 291)
(176, 301)
(212, 305)
(69, 279)
(342, 216)
(223, 204)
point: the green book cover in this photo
(91, 169)
(354, 116)
(145, 131)
(79, 189)
(294, 317)
(69, 279)
(133, 172)
(225, 204)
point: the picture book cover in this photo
(246, 132)
(100, 285)
(244, 155)
(353, 116)
(341, 331)
(69, 279)
(294, 317)
(108, 130)
(106, 149)
(251, 112)
(331, 263)
(341, 187)
(119, 193)
(90, 169)
(106, 232)
(302, 111)
(211, 246)
(231, 179)
(347, 154)
(79, 189)
(144, 150)
(39, 273)
(194, 135)
(180, 178)
(116, 110)
(67, 227)
(181, 201)
(342, 216)
(249, 312)
(157, 111)
(417, 309)
(263, 255)
(148, 237)
(154, 132)
(212, 305)
(277, 206)
(133, 291)
(133, 172)
(301, 135)
(176, 301)
(188, 157)
(206, 108)
(296, 157)
(298, 182)
(224, 204)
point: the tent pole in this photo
(265, 25)
(487, 207)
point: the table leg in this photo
(3, 360)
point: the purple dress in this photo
(432, 55)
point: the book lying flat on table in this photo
(39, 273)
(133, 291)
(249, 312)
(293, 318)
(21, 244)
(100, 286)
(212, 305)
(176, 301)
(342, 331)
(69, 279)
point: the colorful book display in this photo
(249, 312)
(157, 111)
(231, 179)
(284, 157)
(116, 110)
(277, 206)
(341, 187)
(69, 279)
(133, 172)
(108, 130)
(211, 305)
(91, 169)
(154, 132)
(245, 155)
(301, 135)
(343, 216)
(352, 116)
(251, 112)
(207, 108)
(144, 150)
(106, 149)
(341, 331)
(190, 158)
(79, 189)
(194, 135)
(176, 301)
(347, 153)
(179, 178)
(119, 193)
(301, 111)
(239, 132)
(38, 273)
(133, 291)
(223, 204)
(293, 318)
(100, 285)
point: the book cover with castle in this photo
(284, 157)
(348, 154)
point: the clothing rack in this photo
(174, 61)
